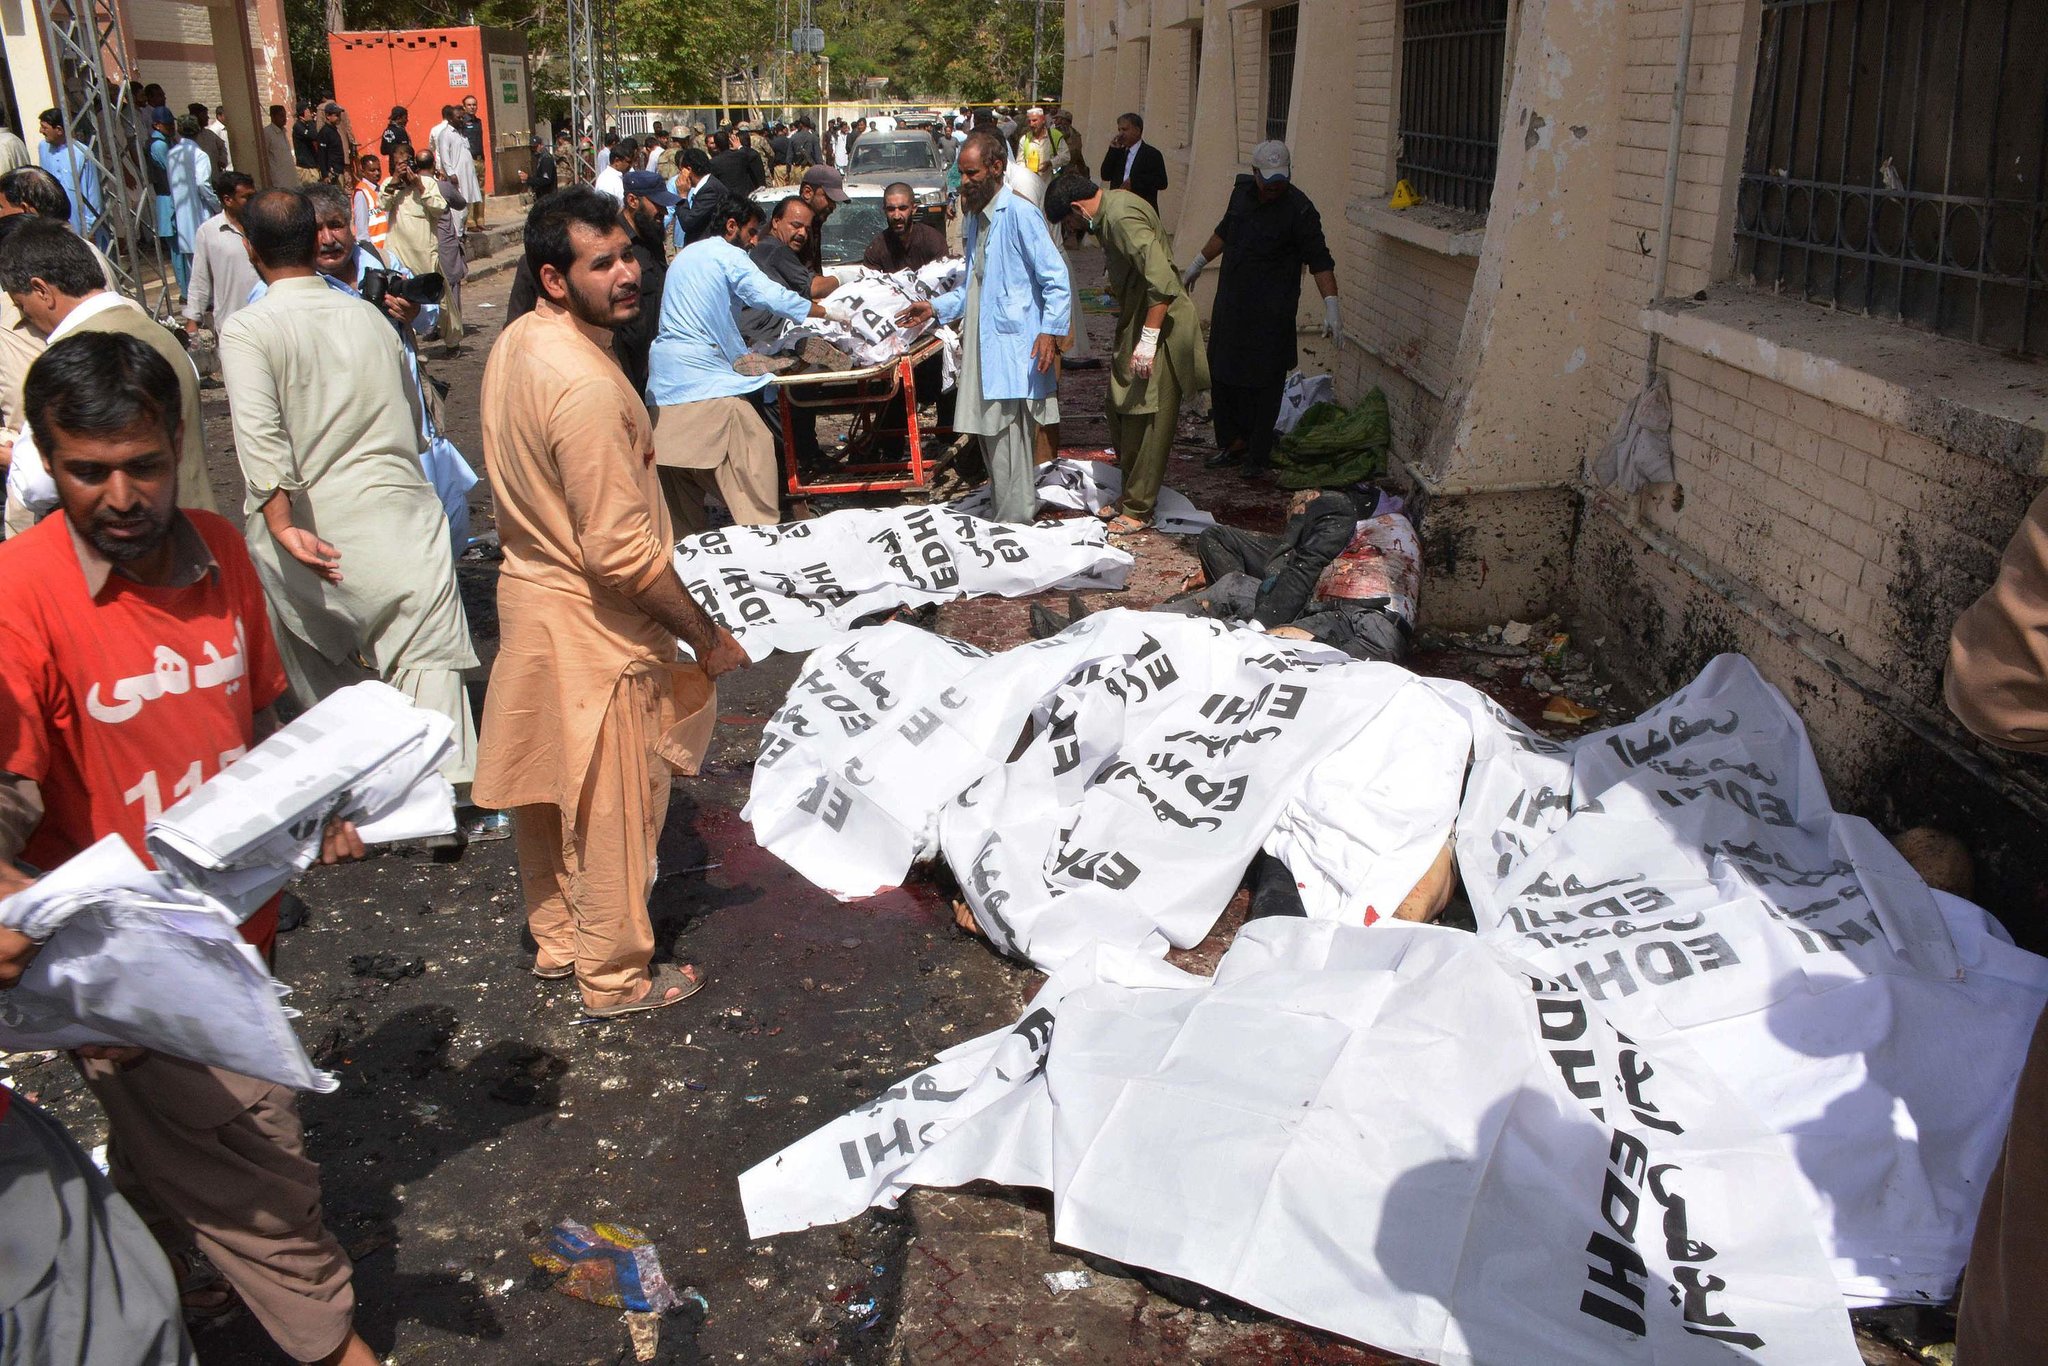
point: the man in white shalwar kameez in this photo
(348, 536)
(452, 155)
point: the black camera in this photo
(377, 286)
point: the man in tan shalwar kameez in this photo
(590, 708)
(349, 538)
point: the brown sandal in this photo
(1127, 525)
(668, 975)
(560, 974)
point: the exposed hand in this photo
(339, 842)
(17, 951)
(401, 308)
(915, 314)
(1044, 351)
(725, 655)
(7, 439)
(1289, 633)
(312, 552)
(191, 327)
(1333, 321)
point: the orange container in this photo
(425, 68)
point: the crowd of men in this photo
(626, 389)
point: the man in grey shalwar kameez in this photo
(1013, 308)
(348, 537)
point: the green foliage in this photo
(673, 51)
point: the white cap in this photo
(1270, 161)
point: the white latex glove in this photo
(1194, 271)
(839, 310)
(1333, 321)
(1145, 353)
(849, 274)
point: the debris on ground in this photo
(610, 1264)
(1061, 1282)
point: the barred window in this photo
(1452, 55)
(1894, 163)
(1281, 25)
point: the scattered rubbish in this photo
(645, 1332)
(1553, 653)
(849, 943)
(693, 1085)
(860, 1309)
(385, 967)
(692, 1295)
(505, 1286)
(753, 1100)
(1060, 1282)
(1562, 711)
(610, 1265)
(879, 1269)
(1516, 633)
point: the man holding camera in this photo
(414, 207)
(349, 538)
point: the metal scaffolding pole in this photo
(107, 156)
(587, 22)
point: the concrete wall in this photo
(1844, 484)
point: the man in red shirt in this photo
(135, 663)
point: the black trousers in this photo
(1247, 413)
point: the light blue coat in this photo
(1024, 292)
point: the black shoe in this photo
(1256, 474)
(1224, 458)
(1046, 623)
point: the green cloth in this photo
(1141, 274)
(1334, 447)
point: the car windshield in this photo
(895, 154)
(852, 226)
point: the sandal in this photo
(560, 974)
(683, 977)
(204, 1295)
(1125, 525)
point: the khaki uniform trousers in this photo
(722, 444)
(587, 881)
(1144, 440)
(211, 1158)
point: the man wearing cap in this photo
(1158, 359)
(1038, 154)
(1133, 164)
(330, 149)
(824, 189)
(1268, 234)
(648, 200)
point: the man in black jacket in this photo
(1133, 164)
(702, 207)
(734, 164)
(648, 200)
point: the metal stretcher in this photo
(864, 394)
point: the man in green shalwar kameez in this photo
(1159, 358)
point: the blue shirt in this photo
(692, 356)
(84, 189)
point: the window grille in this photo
(1894, 163)
(1281, 25)
(1452, 56)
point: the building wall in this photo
(1845, 485)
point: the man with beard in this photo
(907, 243)
(1268, 235)
(348, 536)
(117, 582)
(648, 200)
(1158, 358)
(590, 710)
(708, 430)
(1006, 384)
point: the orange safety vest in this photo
(380, 224)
